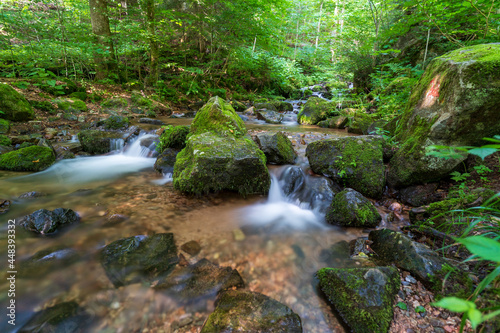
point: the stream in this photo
(276, 242)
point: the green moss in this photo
(81, 95)
(42, 105)
(173, 137)
(32, 158)
(141, 101)
(350, 209)
(115, 103)
(97, 142)
(116, 122)
(71, 105)
(13, 105)
(4, 126)
(315, 110)
(5, 140)
(450, 281)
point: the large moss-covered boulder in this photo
(139, 258)
(315, 110)
(277, 148)
(72, 105)
(13, 105)
(394, 248)
(245, 311)
(355, 161)
(213, 163)
(98, 142)
(33, 158)
(350, 209)
(362, 296)
(218, 117)
(453, 104)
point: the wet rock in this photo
(4, 206)
(116, 122)
(201, 280)
(339, 122)
(47, 261)
(166, 160)
(139, 258)
(250, 111)
(292, 179)
(245, 311)
(266, 106)
(219, 118)
(14, 106)
(151, 121)
(394, 248)
(270, 117)
(419, 195)
(362, 296)
(452, 105)
(350, 209)
(355, 161)
(191, 248)
(33, 158)
(277, 148)
(115, 219)
(47, 222)
(315, 110)
(32, 195)
(97, 142)
(63, 317)
(319, 193)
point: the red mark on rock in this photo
(434, 89)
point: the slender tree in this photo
(104, 52)
(148, 7)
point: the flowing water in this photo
(276, 242)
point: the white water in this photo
(167, 178)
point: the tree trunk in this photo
(154, 52)
(104, 53)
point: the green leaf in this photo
(482, 152)
(402, 305)
(51, 83)
(420, 309)
(484, 247)
(455, 304)
(475, 316)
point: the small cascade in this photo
(143, 146)
(74, 138)
(116, 144)
(167, 178)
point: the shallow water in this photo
(278, 256)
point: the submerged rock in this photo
(453, 103)
(47, 261)
(315, 110)
(32, 195)
(46, 222)
(97, 142)
(13, 105)
(355, 161)
(139, 258)
(350, 209)
(394, 248)
(191, 247)
(166, 160)
(151, 121)
(33, 158)
(4, 206)
(277, 148)
(362, 296)
(245, 311)
(270, 117)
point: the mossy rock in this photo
(452, 105)
(97, 142)
(72, 105)
(339, 122)
(13, 105)
(115, 103)
(282, 106)
(213, 163)
(141, 101)
(166, 160)
(265, 105)
(270, 117)
(355, 161)
(5, 140)
(246, 311)
(32, 158)
(116, 122)
(350, 209)
(218, 117)
(173, 137)
(237, 106)
(81, 95)
(4, 126)
(277, 148)
(360, 123)
(362, 296)
(315, 110)
(139, 258)
(50, 85)
(43, 106)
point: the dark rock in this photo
(419, 195)
(319, 193)
(47, 261)
(98, 142)
(191, 248)
(271, 117)
(350, 209)
(151, 121)
(46, 222)
(166, 160)
(245, 311)
(4, 206)
(32, 195)
(139, 258)
(362, 296)
(63, 317)
(355, 161)
(292, 179)
(277, 148)
(426, 265)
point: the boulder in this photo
(46, 222)
(33, 158)
(72, 105)
(166, 160)
(339, 122)
(350, 209)
(393, 248)
(139, 258)
(266, 106)
(419, 195)
(116, 122)
(453, 103)
(213, 163)
(5, 141)
(173, 137)
(360, 123)
(363, 296)
(315, 110)
(293, 180)
(245, 311)
(270, 117)
(13, 105)
(277, 148)
(355, 161)
(98, 142)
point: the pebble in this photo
(411, 279)
(238, 235)
(192, 248)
